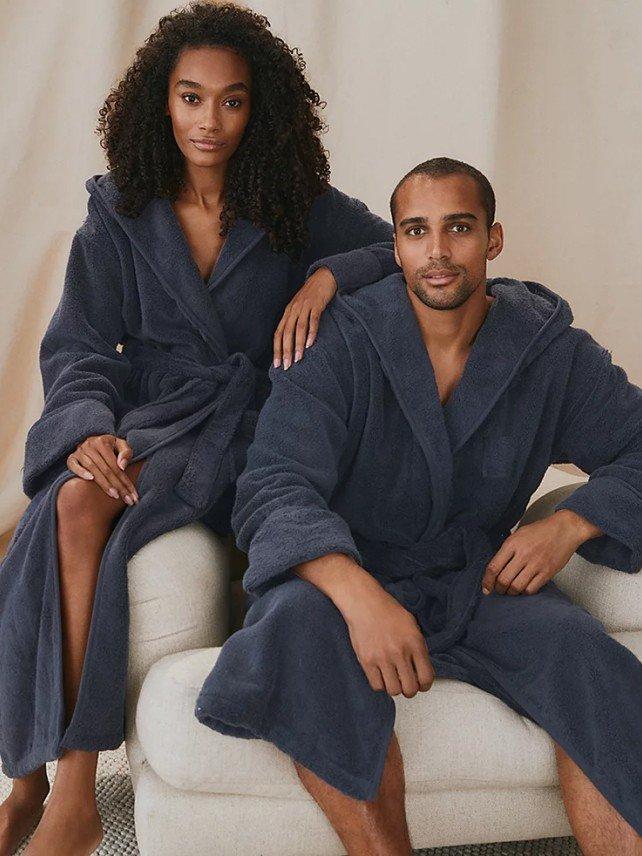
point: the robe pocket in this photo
(498, 458)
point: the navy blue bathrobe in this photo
(142, 348)
(355, 454)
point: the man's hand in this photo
(386, 638)
(534, 553)
(298, 326)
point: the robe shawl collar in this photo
(519, 324)
(158, 236)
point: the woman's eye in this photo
(237, 101)
(190, 95)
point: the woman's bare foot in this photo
(22, 810)
(67, 828)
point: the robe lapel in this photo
(158, 236)
(503, 343)
(386, 313)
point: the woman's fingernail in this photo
(122, 464)
(113, 492)
(286, 364)
(128, 499)
(309, 341)
(297, 356)
(277, 363)
(88, 476)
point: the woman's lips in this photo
(208, 145)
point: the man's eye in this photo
(465, 225)
(414, 229)
(190, 95)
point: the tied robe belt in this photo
(186, 394)
(438, 579)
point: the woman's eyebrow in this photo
(193, 84)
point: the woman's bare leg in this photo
(367, 828)
(71, 824)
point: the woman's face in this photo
(208, 101)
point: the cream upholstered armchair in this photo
(476, 771)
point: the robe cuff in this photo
(55, 435)
(615, 508)
(289, 541)
(350, 269)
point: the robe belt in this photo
(222, 407)
(437, 579)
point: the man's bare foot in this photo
(19, 814)
(67, 829)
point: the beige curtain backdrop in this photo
(543, 97)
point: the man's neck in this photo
(451, 331)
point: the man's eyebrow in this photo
(458, 215)
(193, 84)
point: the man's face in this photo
(441, 239)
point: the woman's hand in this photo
(535, 552)
(103, 457)
(298, 326)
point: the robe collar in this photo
(522, 319)
(159, 238)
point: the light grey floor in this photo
(116, 804)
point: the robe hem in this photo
(231, 713)
(55, 750)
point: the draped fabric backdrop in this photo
(544, 98)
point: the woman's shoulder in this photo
(333, 201)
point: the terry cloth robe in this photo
(184, 390)
(355, 454)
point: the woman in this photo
(196, 242)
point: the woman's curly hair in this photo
(280, 165)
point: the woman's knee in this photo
(82, 503)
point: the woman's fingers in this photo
(301, 332)
(74, 465)
(97, 457)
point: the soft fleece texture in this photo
(354, 453)
(185, 392)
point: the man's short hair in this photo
(440, 167)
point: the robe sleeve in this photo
(281, 515)
(355, 244)
(600, 431)
(83, 375)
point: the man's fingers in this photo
(407, 676)
(391, 678)
(504, 581)
(423, 668)
(496, 566)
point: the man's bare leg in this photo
(599, 829)
(367, 828)
(71, 823)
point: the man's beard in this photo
(443, 297)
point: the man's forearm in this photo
(583, 529)
(338, 576)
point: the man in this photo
(388, 470)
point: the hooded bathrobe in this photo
(184, 388)
(355, 454)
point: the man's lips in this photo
(440, 277)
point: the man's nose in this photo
(438, 247)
